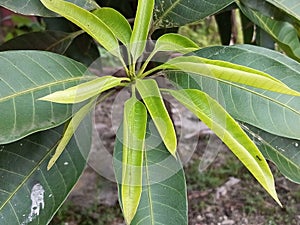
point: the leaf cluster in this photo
(248, 96)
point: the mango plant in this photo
(247, 95)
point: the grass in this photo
(70, 214)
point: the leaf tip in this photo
(50, 164)
(43, 99)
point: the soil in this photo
(220, 190)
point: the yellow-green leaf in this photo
(116, 22)
(228, 130)
(141, 27)
(84, 91)
(175, 42)
(134, 131)
(71, 128)
(87, 21)
(227, 71)
(153, 100)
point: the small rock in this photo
(199, 218)
(209, 215)
(228, 222)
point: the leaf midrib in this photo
(26, 177)
(166, 12)
(40, 87)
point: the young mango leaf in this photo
(168, 14)
(84, 91)
(152, 98)
(273, 112)
(70, 130)
(117, 23)
(170, 42)
(134, 131)
(141, 28)
(35, 7)
(164, 185)
(175, 42)
(21, 114)
(226, 71)
(87, 21)
(29, 194)
(54, 41)
(283, 32)
(281, 151)
(228, 130)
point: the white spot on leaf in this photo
(37, 198)
(37, 202)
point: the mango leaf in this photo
(54, 41)
(284, 152)
(116, 22)
(291, 7)
(226, 71)
(282, 32)
(134, 131)
(29, 194)
(164, 195)
(152, 98)
(35, 7)
(169, 42)
(84, 91)
(86, 21)
(21, 85)
(175, 42)
(169, 14)
(228, 130)
(273, 112)
(141, 27)
(71, 128)
(76, 45)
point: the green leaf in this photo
(116, 22)
(177, 13)
(87, 21)
(282, 32)
(175, 42)
(169, 42)
(21, 85)
(35, 7)
(273, 112)
(228, 130)
(141, 28)
(164, 195)
(24, 175)
(70, 130)
(54, 41)
(225, 71)
(290, 7)
(152, 98)
(134, 131)
(84, 91)
(281, 151)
